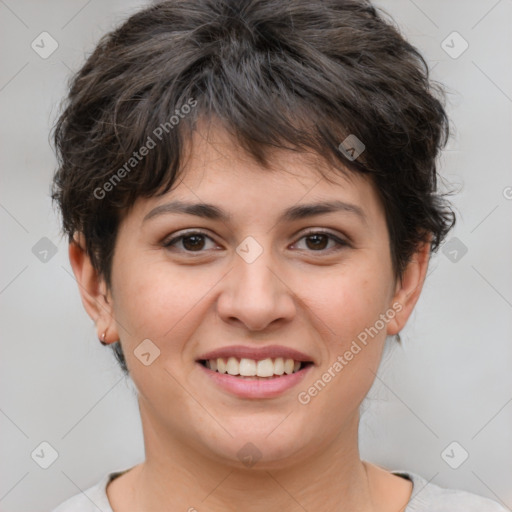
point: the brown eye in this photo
(318, 241)
(191, 242)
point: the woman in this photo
(249, 191)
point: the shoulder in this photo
(92, 499)
(429, 497)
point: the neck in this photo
(180, 475)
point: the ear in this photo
(96, 297)
(408, 288)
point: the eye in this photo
(195, 241)
(317, 241)
(192, 241)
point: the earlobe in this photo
(408, 289)
(92, 287)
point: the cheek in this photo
(348, 302)
(351, 349)
(347, 309)
(161, 302)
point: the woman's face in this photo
(320, 284)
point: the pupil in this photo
(315, 245)
(319, 242)
(193, 245)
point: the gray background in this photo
(452, 379)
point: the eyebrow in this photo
(297, 212)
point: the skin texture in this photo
(314, 298)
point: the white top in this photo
(426, 497)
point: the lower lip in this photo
(262, 388)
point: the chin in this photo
(261, 449)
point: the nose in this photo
(256, 295)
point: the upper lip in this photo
(270, 351)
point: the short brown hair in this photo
(296, 74)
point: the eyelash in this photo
(340, 243)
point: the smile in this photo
(268, 368)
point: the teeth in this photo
(233, 366)
(265, 368)
(279, 366)
(251, 368)
(247, 367)
(221, 365)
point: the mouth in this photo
(255, 369)
(249, 372)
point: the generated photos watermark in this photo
(137, 156)
(304, 397)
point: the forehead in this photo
(217, 170)
(214, 158)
